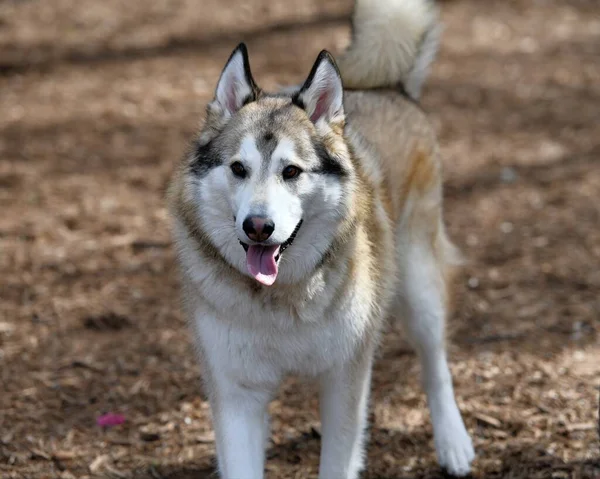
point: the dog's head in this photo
(271, 174)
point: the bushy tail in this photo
(393, 42)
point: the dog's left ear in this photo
(236, 86)
(322, 94)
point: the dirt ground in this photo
(97, 102)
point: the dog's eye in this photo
(290, 172)
(238, 169)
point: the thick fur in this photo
(371, 245)
(394, 43)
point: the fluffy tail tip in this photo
(394, 42)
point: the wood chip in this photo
(581, 426)
(98, 463)
(64, 455)
(39, 454)
(488, 420)
(115, 472)
(205, 438)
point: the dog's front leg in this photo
(241, 429)
(239, 387)
(344, 398)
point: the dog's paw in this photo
(454, 448)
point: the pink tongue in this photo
(261, 263)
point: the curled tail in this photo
(393, 42)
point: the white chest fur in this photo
(263, 354)
(257, 338)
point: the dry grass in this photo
(98, 100)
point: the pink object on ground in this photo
(110, 419)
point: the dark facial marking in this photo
(266, 144)
(328, 164)
(205, 159)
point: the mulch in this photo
(98, 101)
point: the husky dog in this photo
(303, 220)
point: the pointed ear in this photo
(322, 94)
(236, 86)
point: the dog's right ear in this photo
(236, 86)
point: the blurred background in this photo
(97, 103)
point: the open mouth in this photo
(263, 260)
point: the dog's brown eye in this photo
(238, 169)
(290, 172)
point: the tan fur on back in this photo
(404, 163)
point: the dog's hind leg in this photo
(422, 308)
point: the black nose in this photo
(258, 228)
